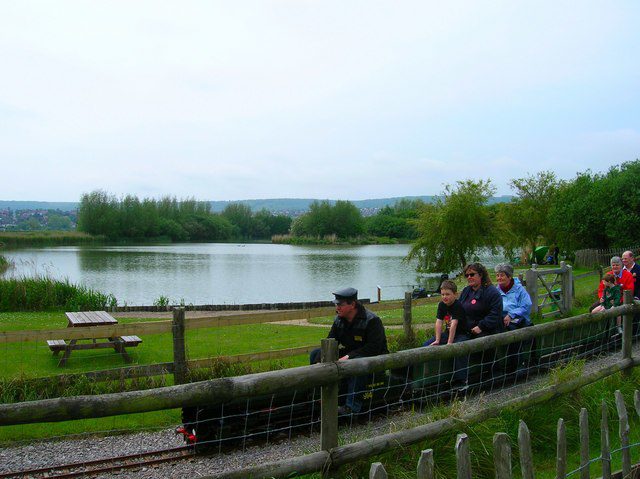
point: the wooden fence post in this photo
(179, 347)
(329, 400)
(377, 471)
(406, 318)
(627, 329)
(561, 450)
(526, 457)
(605, 449)
(425, 465)
(532, 287)
(463, 459)
(624, 434)
(379, 293)
(567, 286)
(584, 444)
(502, 455)
(636, 401)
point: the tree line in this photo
(593, 210)
(345, 221)
(101, 213)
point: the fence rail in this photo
(592, 258)
(165, 326)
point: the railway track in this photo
(109, 464)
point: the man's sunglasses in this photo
(470, 275)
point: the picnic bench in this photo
(92, 318)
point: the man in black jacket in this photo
(360, 333)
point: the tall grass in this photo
(42, 293)
(46, 238)
(4, 264)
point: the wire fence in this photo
(242, 423)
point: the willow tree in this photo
(452, 230)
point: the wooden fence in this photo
(502, 450)
(327, 375)
(550, 289)
(592, 258)
(180, 324)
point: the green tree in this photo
(455, 227)
(346, 220)
(98, 214)
(525, 220)
(240, 216)
(58, 222)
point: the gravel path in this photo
(46, 453)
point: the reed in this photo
(46, 238)
(41, 293)
(4, 264)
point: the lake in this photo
(223, 273)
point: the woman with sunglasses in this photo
(482, 302)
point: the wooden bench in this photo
(56, 345)
(131, 341)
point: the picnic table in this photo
(92, 318)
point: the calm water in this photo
(223, 273)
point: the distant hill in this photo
(288, 206)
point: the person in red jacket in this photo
(622, 276)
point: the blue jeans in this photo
(355, 385)
(460, 363)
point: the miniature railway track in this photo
(109, 464)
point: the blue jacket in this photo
(517, 304)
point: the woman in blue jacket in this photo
(516, 303)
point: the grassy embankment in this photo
(542, 422)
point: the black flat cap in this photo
(345, 294)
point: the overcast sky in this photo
(324, 99)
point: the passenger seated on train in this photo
(516, 303)
(360, 333)
(481, 302)
(451, 326)
(621, 277)
(611, 297)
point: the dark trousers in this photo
(355, 385)
(460, 363)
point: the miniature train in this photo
(239, 422)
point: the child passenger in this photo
(611, 296)
(451, 323)
(451, 327)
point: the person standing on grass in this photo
(360, 334)
(632, 267)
